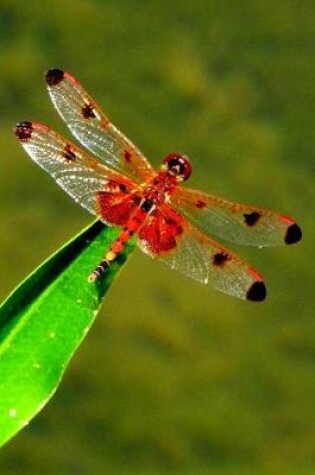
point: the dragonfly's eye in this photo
(178, 165)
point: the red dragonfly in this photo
(171, 223)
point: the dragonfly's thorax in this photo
(160, 188)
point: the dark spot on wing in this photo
(256, 292)
(200, 204)
(23, 131)
(123, 188)
(54, 76)
(88, 111)
(127, 156)
(220, 258)
(293, 234)
(173, 226)
(251, 218)
(170, 221)
(68, 153)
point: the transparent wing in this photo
(92, 128)
(236, 222)
(170, 237)
(79, 174)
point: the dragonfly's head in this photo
(178, 166)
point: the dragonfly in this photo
(172, 223)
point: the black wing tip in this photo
(23, 130)
(257, 292)
(54, 76)
(293, 234)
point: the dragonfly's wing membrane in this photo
(236, 222)
(93, 129)
(171, 238)
(79, 174)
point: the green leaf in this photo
(45, 319)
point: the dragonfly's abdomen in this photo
(133, 224)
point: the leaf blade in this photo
(45, 319)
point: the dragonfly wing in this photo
(93, 185)
(168, 236)
(236, 222)
(92, 128)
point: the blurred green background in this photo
(174, 377)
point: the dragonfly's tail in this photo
(99, 270)
(110, 256)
